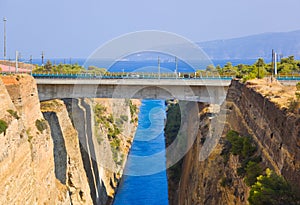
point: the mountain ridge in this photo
(254, 46)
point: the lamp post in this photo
(4, 52)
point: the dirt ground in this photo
(274, 90)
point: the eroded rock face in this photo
(65, 159)
(68, 162)
(103, 149)
(275, 131)
(26, 153)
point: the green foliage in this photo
(173, 123)
(97, 71)
(13, 113)
(298, 86)
(211, 68)
(293, 105)
(3, 127)
(133, 108)
(248, 149)
(124, 118)
(61, 68)
(115, 145)
(243, 147)
(99, 112)
(236, 142)
(253, 170)
(225, 181)
(41, 125)
(271, 189)
(258, 70)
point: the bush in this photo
(253, 170)
(298, 86)
(293, 105)
(236, 142)
(124, 118)
(133, 108)
(41, 125)
(3, 126)
(272, 189)
(14, 114)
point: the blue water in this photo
(145, 179)
(130, 66)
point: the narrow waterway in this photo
(145, 179)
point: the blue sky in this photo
(75, 28)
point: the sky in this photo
(75, 28)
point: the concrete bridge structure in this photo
(199, 90)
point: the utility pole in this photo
(275, 64)
(176, 67)
(31, 64)
(158, 68)
(43, 58)
(17, 58)
(272, 63)
(4, 53)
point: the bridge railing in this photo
(131, 76)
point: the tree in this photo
(271, 189)
(48, 66)
(260, 67)
(211, 68)
(253, 170)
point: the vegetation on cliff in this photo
(110, 127)
(41, 125)
(3, 126)
(272, 189)
(171, 130)
(249, 159)
(268, 188)
(294, 103)
(259, 69)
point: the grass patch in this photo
(3, 127)
(13, 113)
(41, 125)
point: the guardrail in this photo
(90, 76)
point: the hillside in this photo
(254, 46)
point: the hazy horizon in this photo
(64, 29)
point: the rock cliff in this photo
(61, 151)
(26, 158)
(274, 130)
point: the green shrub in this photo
(41, 125)
(253, 170)
(3, 127)
(14, 114)
(272, 189)
(293, 105)
(124, 118)
(298, 86)
(133, 108)
(225, 181)
(236, 142)
(119, 122)
(248, 148)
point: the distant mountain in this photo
(252, 47)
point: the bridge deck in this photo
(144, 82)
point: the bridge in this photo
(209, 90)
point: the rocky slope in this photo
(26, 158)
(57, 153)
(274, 130)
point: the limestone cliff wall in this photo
(54, 152)
(103, 150)
(275, 131)
(26, 153)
